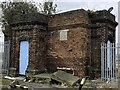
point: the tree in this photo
(15, 9)
(48, 7)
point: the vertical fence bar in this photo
(101, 62)
(112, 50)
(8, 56)
(118, 58)
(104, 59)
(105, 63)
(4, 60)
(5, 57)
(1, 58)
(116, 61)
(113, 60)
(104, 52)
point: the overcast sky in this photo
(67, 5)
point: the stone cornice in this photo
(29, 27)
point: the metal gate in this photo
(4, 56)
(109, 63)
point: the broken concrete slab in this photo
(66, 78)
(59, 76)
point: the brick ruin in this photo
(68, 40)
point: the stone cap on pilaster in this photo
(103, 16)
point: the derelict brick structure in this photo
(69, 40)
(34, 31)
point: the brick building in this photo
(69, 41)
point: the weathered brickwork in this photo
(80, 51)
(71, 53)
(75, 51)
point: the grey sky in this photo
(67, 5)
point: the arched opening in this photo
(110, 38)
(24, 57)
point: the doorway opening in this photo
(24, 57)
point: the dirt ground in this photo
(100, 84)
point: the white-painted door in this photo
(24, 57)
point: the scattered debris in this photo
(10, 78)
(16, 84)
(26, 79)
(82, 83)
(57, 79)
